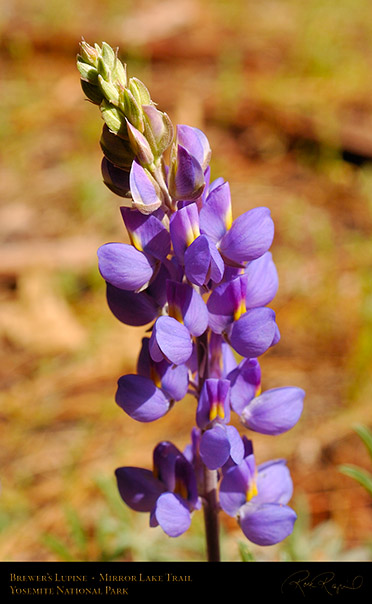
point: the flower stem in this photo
(210, 477)
(211, 515)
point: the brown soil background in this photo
(283, 92)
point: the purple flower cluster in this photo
(201, 282)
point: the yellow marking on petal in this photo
(155, 377)
(240, 310)
(174, 311)
(258, 390)
(181, 489)
(213, 412)
(135, 240)
(216, 410)
(252, 490)
(228, 218)
(192, 233)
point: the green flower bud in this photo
(108, 56)
(109, 90)
(132, 110)
(87, 72)
(114, 118)
(139, 91)
(92, 91)
(119, 73)
(158, 129)
(103, 69)
(89, 54)
(140, 145)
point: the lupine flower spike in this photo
(200, 282)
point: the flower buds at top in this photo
(158, 129)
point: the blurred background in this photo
(283, 90)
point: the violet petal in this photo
(140, 398)
(268, 523)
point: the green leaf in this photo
(363, 477)
(77, 530)
(245, 553)
(58, 547)
(366, 435)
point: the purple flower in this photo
(173, 380)
(216, 213)
(219, 441)
(145, 191)
(186, 176)
(131, 308)
(196, 252)
(245, 384)
(250, 236)
(138, 396)
(147, 233)
(170, 340)
(274, 411)
(221, 358)
(250, 332)
(258, 498)
(169, 493)
(196, 143)
(124, 267)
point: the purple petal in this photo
(262, 283)
(222, 360)
(186, 303)
(245, 381)
(275, 411)
(234, 486)
(172, 514)
(266, 524)
(147, 233)
(186, 176)
(172, 379)
(196, 143)
(214, 399)
(215, 447)
(131, 308)
(172, 339)
(144, 189)
(184, 229)
(215, 215)
(175, 381)
(217, 263)
(254, 332)
(197, 261)
(236, 444)
(140, 398)
(216, 183)
(165, 456)
(157, 285)
(274, 483)
(224, 301)
(123, 266)
(250, 236)
(138, 488)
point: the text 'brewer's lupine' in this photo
(200, 282)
